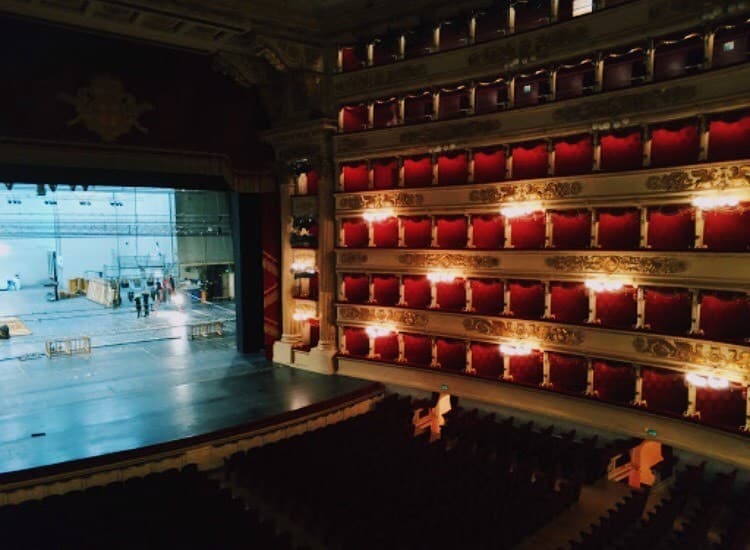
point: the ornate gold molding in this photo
(348, 144)
(658, 265)
(707, 355)
(523, 330)
(449, 133)
(718, 178)
(352, 258)
(548, 190)
(448, 260)
(381, 200)
(378, 315)
(365, 80)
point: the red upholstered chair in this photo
(486, 360)
(356, 288)
(453, 168)
(385, 173)
(418, 171)
(622, 70)
(418, 108)
(356, 233)
(385, 113)
(354, 118)
(386, 347)
(619, 228)
(526, 299)
(355, 176)
(675, 143)
(451, 296)
(730, 46)
(528, 232)
(727, 229)
(621, 151)
(313, 177)
(617, 309)
(491, 97)
(451, 354)
(489, 164)
(527, 369)
(352, 57)
(725, 316)
(417, 349)
(729, 137)
(614, 381)
(385, 290)
(532, 89)
(452, 231)
(664, 390)
(569, 302)
(671, 228)
(530, 160)
(530, 15)
(568, 372)
(454, 103)
(574, 155)
(571, 229)
(385, 233)
(417, 231)
(417, 291)
(722, 408)
(357, 341)
(673, 58)
(487, 296)
(489, 231)
(575, 80)
(667, 310)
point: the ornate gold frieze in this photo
(716, 179)
(474, 128)
(348, 144)
(522, 330)
(669, 8)
(365, 80)
(658, 265)
(549, 190)
(446, 261)
(379, 315)
(707, 355)
(381, 200)
(352, 258)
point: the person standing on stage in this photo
(138, 306)
(146, 295)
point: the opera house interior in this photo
(356, 274)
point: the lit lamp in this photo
(600, 285)
(376, 332)
(302, 271)
(513, 350)
(436, 277)
(713, 382)
(710, 202)
(517, 211)
(375, 215)
(303, 317)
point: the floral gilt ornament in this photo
(105, 108)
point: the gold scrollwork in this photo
(707, 355)
(717, 179)
(352, 258)
(448, 260)
(617, 264)
(380, 315)
(548, 190)
(450, 132)
(523, 330)
(381, 200)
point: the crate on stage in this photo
(202, 330)
(67, 346)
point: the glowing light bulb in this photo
(301, 315)
(376, 332)
(715, 201)
(604, 285)
(378, 215)
(515, 350)
(441, 276)
(718, 383)
(696, 380)
(518, 210)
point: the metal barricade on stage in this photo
(205, 329)
(67, 346)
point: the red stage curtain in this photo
(567, 372)
(385, 233)
(621, 151)
(451, 296)
(489, 231)
(417, 171)
(530, 160)
(528, 231)
(527, 369)
(571, 229)
(729, 137)
(671, 228)
(451, 354)
(675, 144)
(489, 164)
(624, 70)
(569, 302)
(730, 46)
(725, 316)
(271, 243)
(453, 169)
(487, 296)
(385, 113)
(312, 182)
(356, 234)
(619, 228)
(417, 231)
(385, 173)
(667, 310)
(486, 360)
(356, 176)
(727, 229)
(614, 381)
(352, 58)
(356, 288)
(491, 98)
(574, 155)
(664, 390)
(417, 291)
(385, 290)
(355, 118)
(723, 408)
(527, 299)
(418, 108)
(386, 347)
(417, 349)
(452, 231)
(453, 104)
(530, 15)
(575, 81)
(617, 309)
(673, 60)
(357, 341)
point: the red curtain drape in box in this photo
(385, 290)
(729, 137)
(490, 98)
(356, 234)
(530, 89)
(528, 231)
(313, 177)
(417, 231)
(571, 229)
(451, 296)
(675, 144)
(664, 390)
(614, 381)
(355, 118)
(357, 341)
(569, 302)
(489, 164)
(725, 316)
(530, 160)
(671, 228)
(486, 360)
(723, 408)
(526, 299)
(619, 228)
(385, 233)
(575, 81)
(489, 231)
(673, 60)
(727, 229)
(730, 46)
(453, 104)
(418, 108)
(621, 151)
(527, 369)
(618, 309)
(452, 231)
(567, 372)
(487, 296)
(351, 58)
(453, 169)
(385, 113)
(356, 176)
(451, 354)
(417, 171)
(574, 155)
(622, 71)
(417, 291)
(667, 310)
(417, 349)
(356, 288)
(385, 173)
(386, 347)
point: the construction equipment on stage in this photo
(67, 346)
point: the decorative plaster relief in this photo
(718, 178)
(708, 355)
(446, 261)
(352, 258)
(452, 132)
(378, 315)
(381, 200)
(525, 331)
(527, 191)
(617, 264)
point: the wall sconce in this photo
(379, 215)
(300, 268)
(713, 382)
(441, 277)
(604, 285)
(300, 315)
(376, 332)
(523, 209)
(515, 350)
(715, 201)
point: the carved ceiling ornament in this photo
(527, 191)
(381, 200)
(380, 315)
(617, 264)
(105, 108)
(707, 355)
(447, 261)
(352, 258)
(523, 330)
(715, 179)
